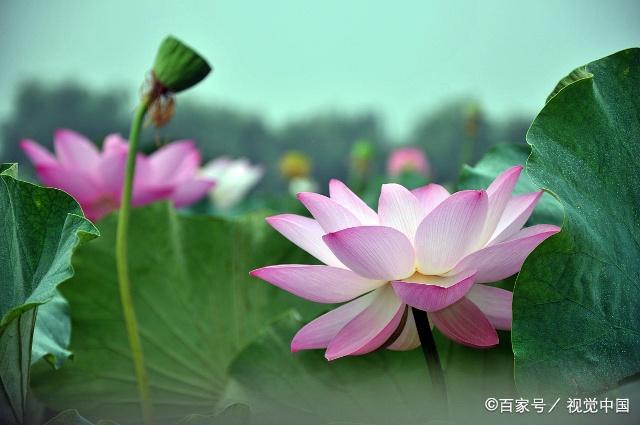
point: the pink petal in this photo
(76, 183)
(400, 209)
(100, 207)
(74, 151)
(432, 293)
(307, 234)
(114, 144)
(499, 193)
(501, 260)
(145, 188)
(190, 191)
(495, 303)
(146, 195)
(189, 168)
(376, 252)
(322, 284)
(111, 169)
(515, 215)
(165, 161)
(430, 196)
(408, 338)
(450, 231)
(340, 193)
(464, 323)
(37, 154)
(331, 215)
(370, 329)
(319, 332)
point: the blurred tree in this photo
(41, 108)
(220, 131)
(513, 129)
(460, 132)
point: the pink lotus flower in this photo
(424, 248)
(407, 159)
(95, 178)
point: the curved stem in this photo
(124, 283)
(430, 352)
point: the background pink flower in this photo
(408, 159)
(425, 248)
(95, 178)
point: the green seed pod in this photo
(178, 67)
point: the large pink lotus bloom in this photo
(424, 248)
(95, 178)
(407, 159)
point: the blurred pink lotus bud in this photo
(95, 178)
(408, 159)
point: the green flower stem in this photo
(124, 283)
(430, 352)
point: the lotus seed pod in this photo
(178, 67)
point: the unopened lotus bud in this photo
(362, 155)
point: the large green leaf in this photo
(577, 299)
(52, 332)
(39, 228)
(196, 306)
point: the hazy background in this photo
(307, 75)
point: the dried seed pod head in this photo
(161, 109)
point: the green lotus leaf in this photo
(40, 228)
(196, 307)
(52, 332)
(576, 326)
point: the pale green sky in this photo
(289, 58)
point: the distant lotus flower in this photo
(234, 179)
(407, 159)
(95, 178)
(423, 248)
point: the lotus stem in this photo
(430, 352)
(122, 265)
